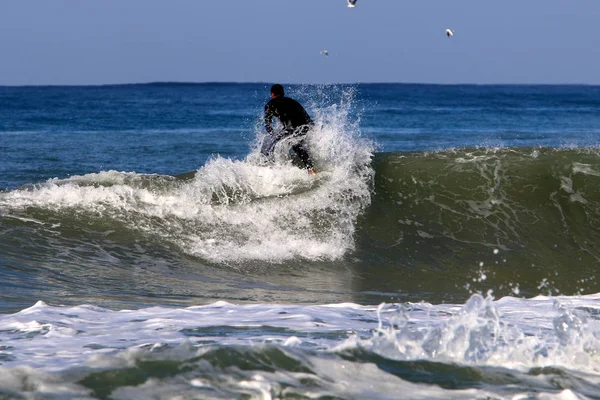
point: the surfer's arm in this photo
(268, 119)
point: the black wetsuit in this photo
(295, 121)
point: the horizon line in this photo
(201, 83)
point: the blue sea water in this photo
(447, 248)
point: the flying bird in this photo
(325, 52)
(351, 3)
(449, 32)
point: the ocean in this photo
(448, 246)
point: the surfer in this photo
(295, 122)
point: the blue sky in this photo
(130, 41)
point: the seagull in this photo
(351, 3)
(449, 32)
(325, 52)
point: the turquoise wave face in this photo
(517, 221)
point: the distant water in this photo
(447, 248)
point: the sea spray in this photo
(292, 215)
(536, 333)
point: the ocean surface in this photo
(449, 246)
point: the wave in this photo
(514, 219)
(226, 211)
(520, 221)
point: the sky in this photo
(79, 42)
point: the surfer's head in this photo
(276, 90)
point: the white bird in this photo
(325, 52)
(351, 3)
(449, 32)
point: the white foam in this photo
(522, 333)
(510, 334)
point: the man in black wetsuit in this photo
(295, 122)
